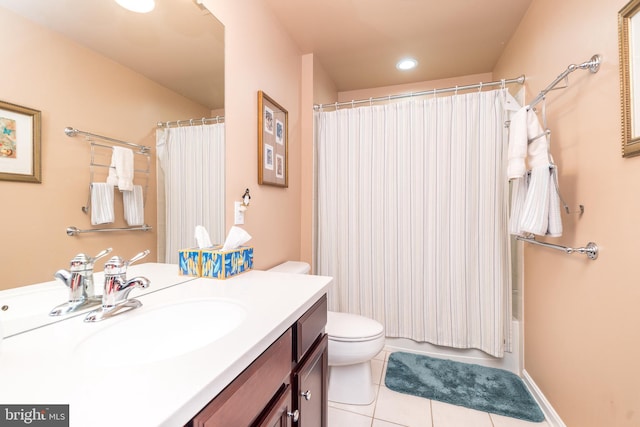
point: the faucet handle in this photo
(138, 257)
(116, 265)
(82, 262)
(101, 254)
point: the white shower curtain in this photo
(191, 162)
(412, 218)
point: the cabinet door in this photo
(279, 414)
(310, 386)
(242, 402)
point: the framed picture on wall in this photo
(19, 143)
(273, 142)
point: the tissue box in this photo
(189, 262)
(222, 265)
(215, 264)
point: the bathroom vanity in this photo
(172, 362)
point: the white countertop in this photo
(43, 367)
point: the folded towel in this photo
(133, 206)
(121, 170)
(101, 203)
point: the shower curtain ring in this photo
(480, 88)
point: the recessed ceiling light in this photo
(406, 64)
(139, 6)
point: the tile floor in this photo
(392, 409)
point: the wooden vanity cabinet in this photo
(310, 375)
(243, 401)
(286, 386)
(310, 386)
(279, 414)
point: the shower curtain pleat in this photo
(193, 177)
(412, 218)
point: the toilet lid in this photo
(352, 327)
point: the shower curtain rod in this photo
(592, 65)
(191, 122)
(518, 80)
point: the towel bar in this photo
(591, 250)
(72, 231)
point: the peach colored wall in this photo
(259, 55)
(317, 88)
(306, 179)
(581, 317)
(414, 87)
(72, 86)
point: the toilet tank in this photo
(295, 267)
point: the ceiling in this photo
(358, 42)
(179, 44)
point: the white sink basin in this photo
(146, 336)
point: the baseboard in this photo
(553, 419)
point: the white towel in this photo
(101, 203)
(555, 218)
(133, 206)
(518, 195)
(541, 210)
(121, 170)
(517, 151)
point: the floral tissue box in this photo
(215, 264)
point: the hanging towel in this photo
(121, 170)
(519, 188)
(101, 203)
(542, 199)
(555, 218)
(517, 151)
(133, 206)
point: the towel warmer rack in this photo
(591, 250)
(73, 132)
(138, 149)
(72, 231)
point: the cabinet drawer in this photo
(245, 398)
(309, 327)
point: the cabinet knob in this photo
(294, 415)
(306, 394)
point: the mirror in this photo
(180, 46)
(629, 44)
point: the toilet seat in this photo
(347, 327)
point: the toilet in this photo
(353, 341)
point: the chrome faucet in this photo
(79, 279)
(117, 288)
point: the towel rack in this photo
(73, 132)
(72, 231)
(591, 250)
(593, 65)
(142, 150)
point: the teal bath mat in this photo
(477, 387)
